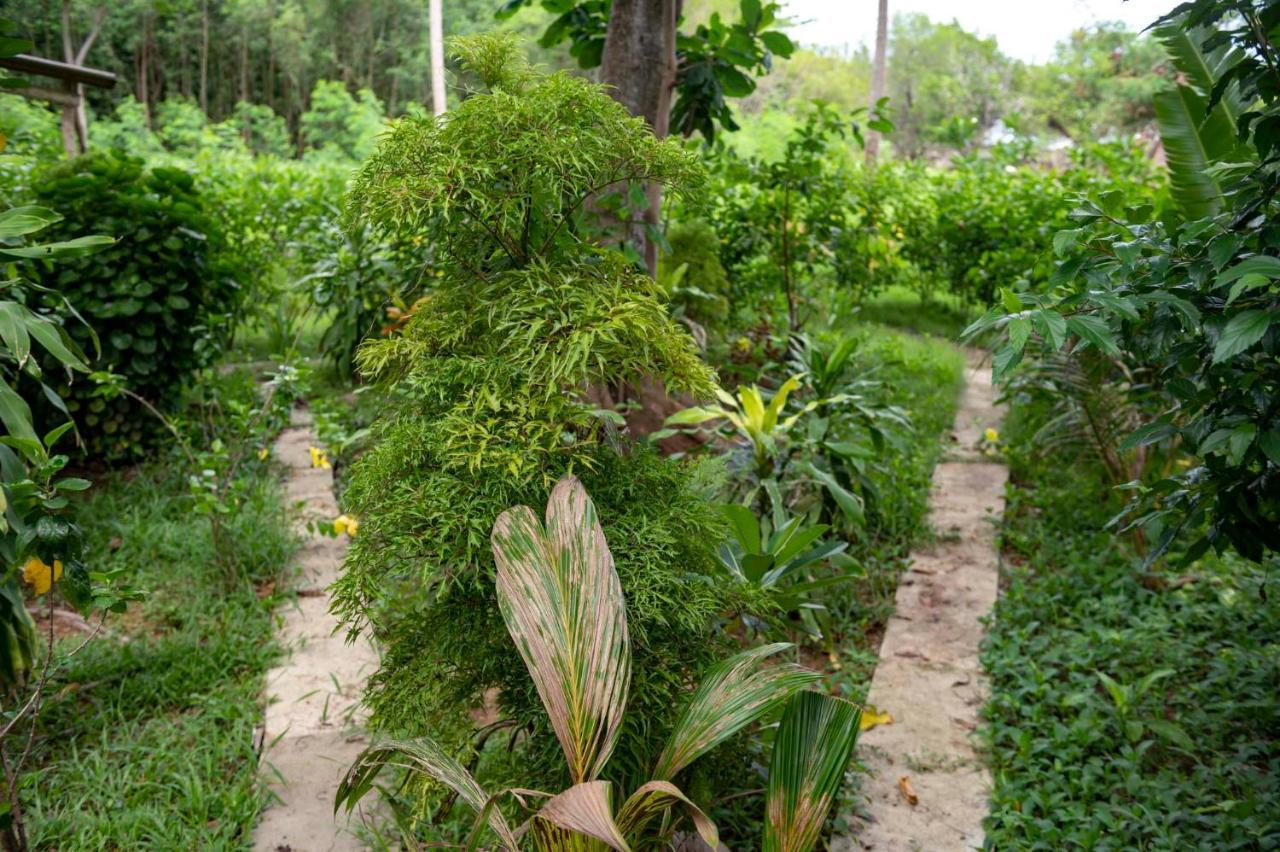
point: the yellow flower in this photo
(319, 458)
(36, 573)
(346, 524)
(991, 435)
(263, 453)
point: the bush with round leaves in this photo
(158, 298)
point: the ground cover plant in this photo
(1129, 709)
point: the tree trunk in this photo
(639, 64)
(877, 77)
(204, 56)
(435, 15)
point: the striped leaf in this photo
(585, 810)
(422, 755)
(734, 694)
(655, 799)
(563, 605)
(810, 755)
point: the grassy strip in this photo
(1183, 751)
(148, 742)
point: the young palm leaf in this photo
(584, 810)
(563, 605)
(424, 756)
(734, 694)
(656, 798)
(810, 755)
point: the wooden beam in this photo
(59, 70)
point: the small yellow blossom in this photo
(346, 524)
(991, 435)
(36, 573)
(263, 453)
(319, 458)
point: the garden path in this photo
(929, 677)
(313, 696)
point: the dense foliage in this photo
(158, 299)
(1187, 301)
(1128, 710)
(488, 389)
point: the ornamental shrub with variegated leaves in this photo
(490, 392)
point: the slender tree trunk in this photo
(204, 56)
(435, 25)
(143, 70)
(877, 77)
(639, 64)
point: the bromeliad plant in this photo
(563, 605)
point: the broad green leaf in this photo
(13, 330)
(562, 601)
(1148, 434)
(20, 221)
(849, 503)
(656, 798)
(1052, 327)
(733, 694)
(745, 526)
(1245, 283)
(1244, 329)
(70, 248)
(16, 415)
(1094, 330)
(426, 756)
(810, 755)
(1019, 332)
(1269, 443)
(56, 342)
(1264, 265)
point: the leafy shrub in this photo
(337, 119)
(692, 275)
(158, 298)
(487, 407)
(1186, 298)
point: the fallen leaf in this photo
(904, 787)
(872, 717)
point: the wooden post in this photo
(70, 96)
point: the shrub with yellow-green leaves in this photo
(489, 394)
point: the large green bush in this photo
(158, 298)
(488, 405)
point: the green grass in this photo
(1194, 761)
(148, 740)
(942, 315)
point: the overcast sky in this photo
(1025, 29)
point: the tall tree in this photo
(877, 77)
(638, 63)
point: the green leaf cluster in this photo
(157, 298)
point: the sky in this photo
(1024, 29)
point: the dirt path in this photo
(929, 677)
(312, 696)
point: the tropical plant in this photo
(487, 402)
(1191, 302)
(563, 605)
(771, 556)
(160, 298)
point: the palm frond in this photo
(584, 809)
(562, 601)
(426, 756)
(656, 798)
(734, 694)
(810, 756)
